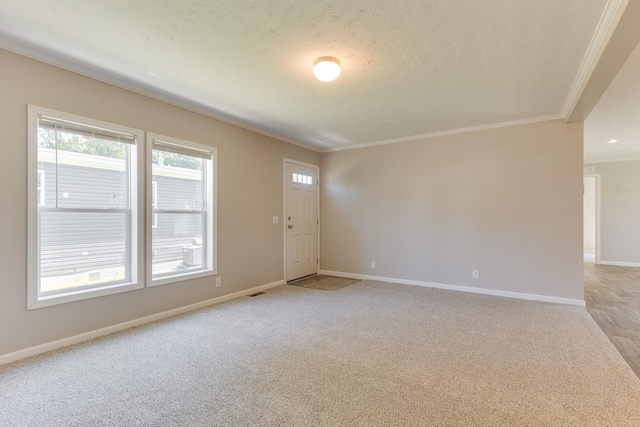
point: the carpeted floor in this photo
(372, 354)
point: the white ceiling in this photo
(410, 67)
(616, 116)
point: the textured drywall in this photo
(507, 202)
(410, 67)
(250, 247)
(616, 116)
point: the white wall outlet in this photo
(373, 264)
(475, 274)
(275, 219)
(218, 282)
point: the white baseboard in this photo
(65, 342)
(619, 264)
(483, 291)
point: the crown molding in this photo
(617, 160)
(606, 26)
(448, 132)
(131, 85)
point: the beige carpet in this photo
(325, 283)
(372, 354)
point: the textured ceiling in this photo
(409, 67)
(616, 116)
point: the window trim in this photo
(211, 218)
(297, 178)
(136, 259)
(154, 204)
(41, 187)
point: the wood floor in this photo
(612, 295)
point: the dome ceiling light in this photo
(326, 68)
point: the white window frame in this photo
(40, 184)
(135, 262)
(210, 263)
(302, 179)
(154, 203)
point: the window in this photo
(181, 219)
(41, 187)
(154, 203)
(302, 179)
(83, 221)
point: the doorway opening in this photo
(591, 219)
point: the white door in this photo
(301, 220)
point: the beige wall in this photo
(250, 248)
(507, 202)
(620, 211)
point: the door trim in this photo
(284, 210)
(598, 257)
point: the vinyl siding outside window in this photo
(181, 221)
(83, 218)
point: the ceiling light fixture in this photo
(326, 68)
(613, 141)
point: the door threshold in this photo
(302, 278)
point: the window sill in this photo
(71, 296)
(181, 277)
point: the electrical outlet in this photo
(373, 264)
(476, 274)
(275, 219)
(218, 282)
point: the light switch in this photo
(275, 219)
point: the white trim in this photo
(130, 84)
(175, 278)
(210, 264)
(65, 342)
(41, 187)
(448, 132)
(154, 196)
(88, 121)
(598, 218)
(619, 263)
(598, 251)
(483, 291)
(595, 162)
(284, 208)
(136, 207)
(33, 231)
(608, 21)
(82, 294)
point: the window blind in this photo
(46, 122)
(181, 149)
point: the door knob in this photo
(290, 226)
